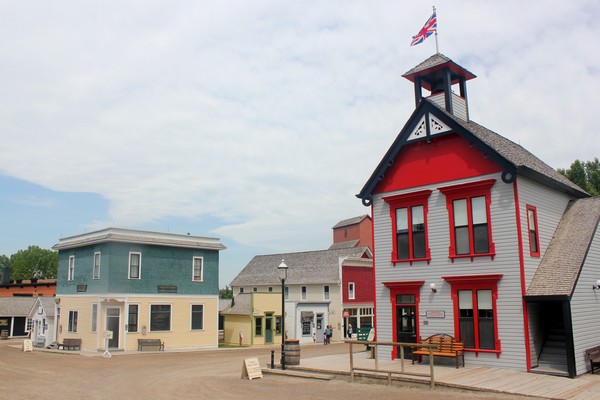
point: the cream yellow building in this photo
(138, 285)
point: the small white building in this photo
(42, 317)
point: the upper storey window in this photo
(71, 270)
(408, 213)
(469, 214)
(135, 265)
(534, 240)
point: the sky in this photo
(258, 121)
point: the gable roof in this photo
(310, 267)
(239, 306)
(513, 158)
(351, 221)
(47, 303)
(561, 264)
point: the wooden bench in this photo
(70, 344)
(362, 334)
(593, 355)
(150, 342)
(444, 346)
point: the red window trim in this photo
(537, 232)
(474, 283)
(404, 287)
(407, 200)
(468, 191)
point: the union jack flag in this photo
(429, 28)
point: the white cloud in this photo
(270, 115)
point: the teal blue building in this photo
(120, 285)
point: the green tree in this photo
(226, 293)
(592, 171)
(586, 175)
(4, 261)
(34, 262)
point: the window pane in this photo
(134, 266)
(466, 320)
(418, 231)
(197, 316)
(533, 241)
(258, 328)
(197, 269)
(465, 299)
(481, 239)
(419, 245)
(486, 319)
(96, 266)
(132, 325)
(418, 218)
(467, 332)
(461, 236)
(405, 299)
(484, 299)
(401, 219)
(460, 212)
(160, 317)
(402, 243)
(478, 209)
(94, 316)
(278, 325)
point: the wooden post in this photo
(351, 364)
(431, 367)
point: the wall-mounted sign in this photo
(436, 314)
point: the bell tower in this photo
(438, 74)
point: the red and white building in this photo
(476, 237)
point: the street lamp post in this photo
(282, 276)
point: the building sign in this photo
(436, 314)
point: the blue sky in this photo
(258, 121)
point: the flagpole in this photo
(437, 48)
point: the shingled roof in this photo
(526, 163)
(15, 306)
(511, 156)
(310, 267)
(559, 269)
(350, 221)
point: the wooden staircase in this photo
(553, 356)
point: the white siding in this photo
(585, 307)
(459, 105)
(550, 206)
(506, 262)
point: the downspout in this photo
(341, 290)
(374, 277)
(522, 272)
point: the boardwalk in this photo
(586, 387)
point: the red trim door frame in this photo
(403, 288)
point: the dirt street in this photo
(214, 374)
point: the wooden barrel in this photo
(292, 352)
(3, 335)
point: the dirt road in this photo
(213, 374)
